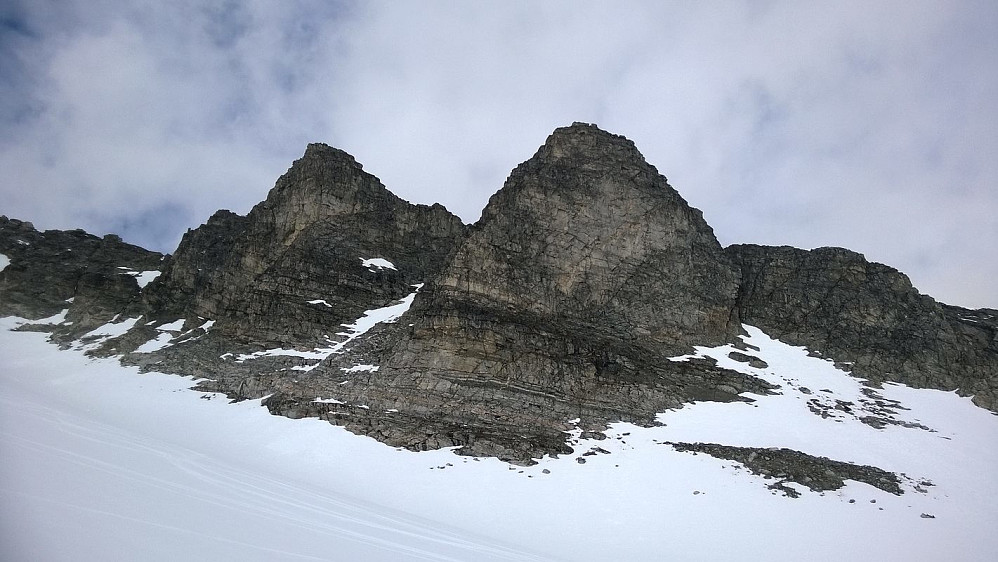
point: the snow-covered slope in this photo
(100, 462)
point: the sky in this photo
(866, 125)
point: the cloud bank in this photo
(866, 125)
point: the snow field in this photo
(118, 465)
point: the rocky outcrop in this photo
(819, 474)
(588, 234)
(586, 271)
(51, 271)
(868, 317)
(193, 273)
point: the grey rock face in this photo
(868, 317)
(588, 233)
(54, 270)
(585, 273)
(256, 275)
(193, 273)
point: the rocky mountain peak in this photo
(324, 182)
(585, 273)
(575, 162)
(262, 275)
(328, 167)
(580, 140)
(587, 229)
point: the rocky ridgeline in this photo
(306, 242)
(586, 272)
(48, 272)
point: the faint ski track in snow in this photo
(99, 462)
(217, 487)
(100, 453)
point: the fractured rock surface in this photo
(868, 317)
(294, 266)
(50, 270)
(586, 271)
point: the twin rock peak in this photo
(585, 273)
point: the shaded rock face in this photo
(868, 317)
(193, 273)
(292, 271)
(50, 270)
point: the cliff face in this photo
(560, 308)
(585, 273)
(51, 270)
(868, 317)
(586, 233)
(294, 267)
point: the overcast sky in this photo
(868, 125)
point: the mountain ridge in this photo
(586, 273)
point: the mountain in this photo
(563, 308)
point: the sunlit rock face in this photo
(586, 271)
(586, 232)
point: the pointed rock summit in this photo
(294, 269)
(588, 232)
(584, 274)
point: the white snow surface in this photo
(174, 326)
(377, 263)
(359, 327)
(155, 344)
(361, 368)
(142, 277)
(4, 262)
(169, 332)
(55, 319)
(99, 462)
(146, 277)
